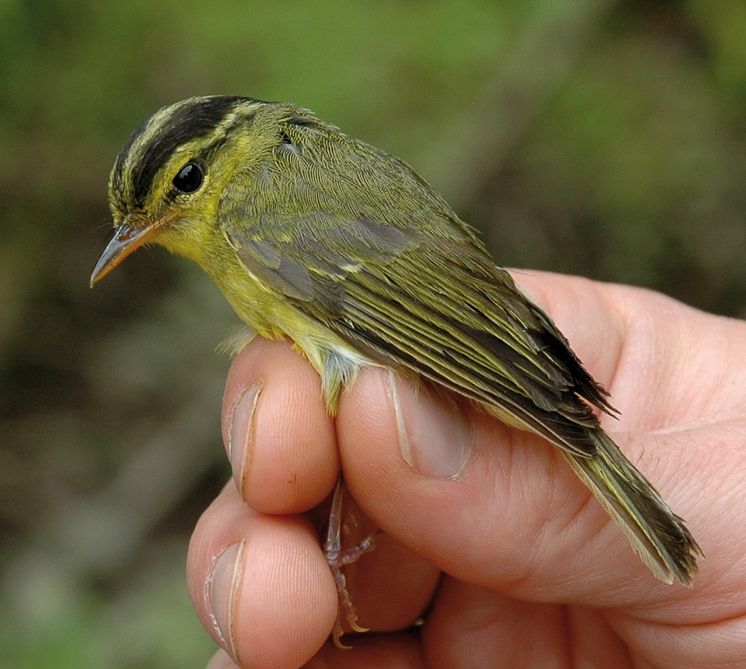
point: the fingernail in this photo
(241, 433)
(221, 660)
(222, 588)
(434, 436)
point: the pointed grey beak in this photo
(127, 239)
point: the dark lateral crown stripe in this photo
(186, 123)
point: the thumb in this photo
(487, 504)
(490, 505)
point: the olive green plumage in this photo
(317, 236)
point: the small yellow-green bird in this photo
(318, 237)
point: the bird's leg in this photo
(337, 559)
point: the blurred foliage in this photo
(589, 136)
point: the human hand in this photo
(488, 534)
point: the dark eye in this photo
(189, 178)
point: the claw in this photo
(338, 558)
(337, 634)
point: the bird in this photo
(318, 237)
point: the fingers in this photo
(273, 410)
(260, 584)
(492, 506)
(278, 435)
(421, 465)
(391, 587)
(263, 590)
(508, 514)
(395, 652)
(474, 627)
(665, 363)
(221, 660)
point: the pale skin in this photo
(499, 547)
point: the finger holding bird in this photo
(318, 237)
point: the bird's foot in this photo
(337, 559)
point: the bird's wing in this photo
(438, 306)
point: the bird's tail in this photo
(656, 533)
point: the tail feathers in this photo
(657, 534)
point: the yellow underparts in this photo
(270, 315)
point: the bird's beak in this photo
(127, 239)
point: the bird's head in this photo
(168, 178)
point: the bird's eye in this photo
(189, 178)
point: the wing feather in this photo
(431, 305)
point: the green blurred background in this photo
(586, 136)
